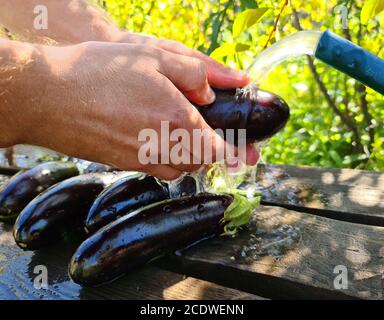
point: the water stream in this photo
(298, 44)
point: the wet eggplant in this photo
(122, 197)
(145, 234)
(66, 203)
(260, 112)
(26, 185)
(131, 193)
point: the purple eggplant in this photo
(26, 185)
(122, 197)
(131, 193)
(260, 112)
(65, 203)
(145, 234)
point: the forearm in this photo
(19, 87)
(69, 21)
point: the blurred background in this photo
(336, 122)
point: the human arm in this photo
(75, 21)
(92, 99)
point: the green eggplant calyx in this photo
(239, 212)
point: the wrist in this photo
(18, 64)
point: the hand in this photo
(219, 75)
(91, 101)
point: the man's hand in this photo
(91, 100)
(74, 21)
(218, 75)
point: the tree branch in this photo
(285, 4)
(344, 118)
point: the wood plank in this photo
(8, 171)
(297, 261)
(17, 274)
(349, 195)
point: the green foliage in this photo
(316, 134)
(247, 19)
(370, 9)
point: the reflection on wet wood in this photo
(26, 156)
(17, 274)
(349, 195)
(287, 254)
(284, 254)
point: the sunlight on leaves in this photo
(370, 9)
(247, 19)
(228, 49)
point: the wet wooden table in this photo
(319, 234)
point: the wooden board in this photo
(17, 279)
(305, 268)
(349, 195)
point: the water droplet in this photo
(112, 210)
(167, 209)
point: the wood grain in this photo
(349, 195)
(304, 270)
(301, 269)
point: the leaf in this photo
(228, 49)
(370, 9)
(247, 19)
(248, 4)
(215, 33)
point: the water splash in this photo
(275, 243)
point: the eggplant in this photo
(26, 185)
(260, 112)
(122, 197)
(95, 167)
(131, 193)
(145, 234)
(66, 203)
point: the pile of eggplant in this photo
(128, 219)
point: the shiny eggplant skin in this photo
(260, 112)
(146, 234)
(95, 167)
(26, 185)
(122, 197)
(66, 203)
(131, 193)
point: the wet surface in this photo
(25, 156)
(19, 271)
(275, 243)
(277, 185)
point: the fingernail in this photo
(239, 73)
(210, 96)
